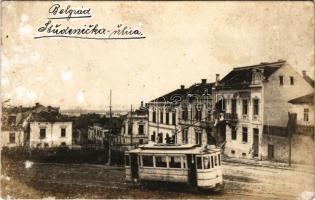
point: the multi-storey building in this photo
(134, 129)
(182, 116)
(255, 104)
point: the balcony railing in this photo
(276, 131)
(230, 116)
(305, 130)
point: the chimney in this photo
(36, 104)
(182, 87)
(304, 73)
(141, 103)
(217, 79)
(203, 81)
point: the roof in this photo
(49, 117)
(179, 94)
(241, 77)
(306, 99)
(152, 148)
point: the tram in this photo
(193, 165)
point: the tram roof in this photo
(173, 149)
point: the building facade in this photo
(45, 134)
(183, 116)
(134, 130)
(255, 107)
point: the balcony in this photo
(230, 117)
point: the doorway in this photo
(256, 142)
(192, 173)
(271, 151)
(134, 166)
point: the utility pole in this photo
(110, 128)
(131, 123)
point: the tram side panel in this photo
(209, 171)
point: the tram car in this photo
(190, 164)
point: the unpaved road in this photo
(242, 181)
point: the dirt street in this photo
(44, 180)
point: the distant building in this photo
(134, 129)
(13, 126)
(97, 134)
(255, 100)
(50, 129)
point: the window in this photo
(223, 105)
(175, 162)
(256, 106)
(232, 152)
(234, 133)
(245, 106)
(199, 163)
(124, 129)
(160, 138)
(127, 161)
(291, 80)
(185, 113)
(161, 117)
(245, 134)
(46, 144)
(160, 161)
(147, 161)
(197, 137)
(219, 159)
(167, 139)
(306, 112)
(212, 164)
(12, 137)
(185, 136)
(215, 161)
(42, 133)
(63, 132)
(140, 141)
(234, 106)
(198, 115)
(141, 129)
(153, 136)
(12, 120)
(154, 117)
(206, 162)
(243, 154)
(167, 118)
(173, 118)
(129, 128)
(281, 80)
(63, 144)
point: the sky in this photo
(185, 42)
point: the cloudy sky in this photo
(185, 42)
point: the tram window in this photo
(206, 162)
(215, 161)
(199, 163)
(160, 161)
(175, 162)
(212, 162)
(219, 159)
(147, 161)
(127, 161)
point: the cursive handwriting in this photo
(68, 13)
(84, 31)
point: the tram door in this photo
(134, 166)
(192, 173)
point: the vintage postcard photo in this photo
(157, 100)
